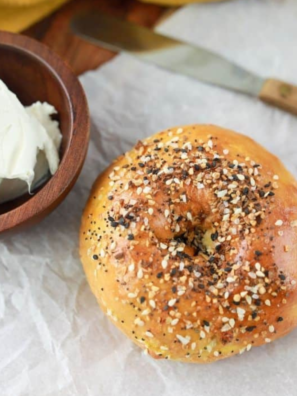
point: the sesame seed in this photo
(171, 302)
(260, 274)
(164, 348)
(164, 264)
(131, 267)
(279, 223)
(183, 340)
(152, 303)
(232, 322)
(189, 216)
(138, 322)
(240, 313)
(230, 279)
(237, 298)
(226, 327)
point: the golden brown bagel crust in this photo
(189, 243)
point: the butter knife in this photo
(183, 58)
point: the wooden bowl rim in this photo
(48, 198)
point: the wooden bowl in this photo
(33, 72)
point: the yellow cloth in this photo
(17, 15)
(177, 2)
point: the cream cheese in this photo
(29, 144)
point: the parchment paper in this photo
(54, 340)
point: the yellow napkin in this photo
(178, 2)
(17, 15)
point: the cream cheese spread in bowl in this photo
(29, 145)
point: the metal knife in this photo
(180, 57)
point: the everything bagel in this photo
(189, 243)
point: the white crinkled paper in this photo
(54, 340)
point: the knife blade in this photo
(180, 57)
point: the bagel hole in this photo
(197, 241)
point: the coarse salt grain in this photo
(279, 223)
(221, 193)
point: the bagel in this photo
(189, 243)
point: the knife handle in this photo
(280, 94)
